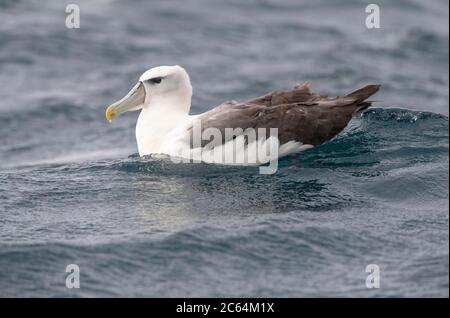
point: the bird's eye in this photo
(155, 80)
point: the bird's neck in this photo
(158, 120)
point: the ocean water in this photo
(73, 190)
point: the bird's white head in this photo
(167, 88)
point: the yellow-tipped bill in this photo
(110, 114)
(134, 100)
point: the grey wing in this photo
(298, 114)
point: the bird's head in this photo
(162, 86)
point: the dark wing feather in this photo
(298, 114)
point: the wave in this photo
(379, 134)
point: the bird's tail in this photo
(360, 96)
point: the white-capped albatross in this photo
(303, 119)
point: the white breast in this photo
(158, 130)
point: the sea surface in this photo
(73, 190)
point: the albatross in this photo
(300, 118)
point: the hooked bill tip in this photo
(109, 114)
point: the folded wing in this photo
(298, 114)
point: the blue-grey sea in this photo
(73, 190)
